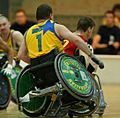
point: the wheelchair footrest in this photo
(39, 93)
(43, 91)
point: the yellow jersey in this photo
(42, 39)
(11, 42)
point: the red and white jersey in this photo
(70, 48)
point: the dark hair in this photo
(116, 7)
(84, 23)
(109, 12)
(21, 10)
(43, 12)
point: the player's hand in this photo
(7, 70)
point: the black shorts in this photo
(46, 76)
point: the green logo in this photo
(76, 75)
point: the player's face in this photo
(90, 31)
(4, 25)
(109, 19)
(21, 18)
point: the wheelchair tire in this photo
(73, 76)
(5, 92)
(92, 107)
(38, 105)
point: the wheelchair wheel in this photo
(5, 92)
(74, 77)
(89, 107)
(25, 83)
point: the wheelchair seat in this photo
(44, 74)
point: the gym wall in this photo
(66, 11)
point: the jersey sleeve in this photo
(69, 47)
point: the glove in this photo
(7, 70)
(90, 47)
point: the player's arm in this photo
(63, 32)
(96, 42)
(23, 52)
(18, 37)
(7, 49)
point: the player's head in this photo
(109, 17)
(44, 11)
(86, 25)
(4, 24)
(116, 10)
(21, 16)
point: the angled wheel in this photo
(74, 77)
(25, 83)
(89, 107)
(79, 83)
(5, 92)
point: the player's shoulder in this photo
(16, 33)
(59, 27)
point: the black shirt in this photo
(109, 34)
(22, 28)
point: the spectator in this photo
(116, 11)
(22, 23)
(108, 37)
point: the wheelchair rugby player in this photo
(54, 82)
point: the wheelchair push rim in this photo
(92, 106)
(5, 91)
(25, 83)
(73, 76)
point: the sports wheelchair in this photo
(75, 93)
(7, 83)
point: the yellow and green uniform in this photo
(42, 39)
(11, 42)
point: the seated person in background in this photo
(106, 41)
(116, 11)
(11, 37)
(22, 23)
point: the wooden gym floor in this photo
(112, 96)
